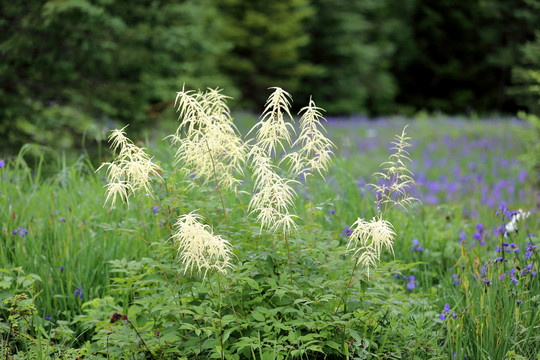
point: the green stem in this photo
(308, 187)
(220, 320)
(150, 243)
(288, 253)
(348, 285)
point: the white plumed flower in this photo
(315, 153)
(273, 130)
(398, 179)
(131, 171)
(199, 248)
(368, 239)
(208, 142)
(273, 195)
(517, 217)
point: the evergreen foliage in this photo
(99, 61)
(68, 69)
(266, 39)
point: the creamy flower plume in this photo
(131, 171)
(368, 239)
(517, 217)
(199, 248)
(272, 128)
(315, 153)
(396, 177)
(211, 147)
(273, 196)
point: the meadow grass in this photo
(62, 243)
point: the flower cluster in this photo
(199, 248)
(446, 312)
(273, 195)
(79, 292)
(479, 235)
(315, 149)
(416, 247)
(395, 178)
(130, 171)
(272, 129)
(529, 249)
(516, 217)
(211, 148)
(411, 282)
(346, 232)
(22, 231)
(368, 239)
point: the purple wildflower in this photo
(2, 163)
(514, 247)
(62, 268)
(47, 317)
(346, 232)
(456, 279)
(22, 231)
(155, 209)
(63, 219)
(332, 212)
(416, 246)
(447, 311)
(462, 237)
(79, 292)
(502, 209)
(412, 282)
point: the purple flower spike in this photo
(62, 268)
(2, 163)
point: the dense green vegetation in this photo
(70, 68)
(245, 238)
(82, 279)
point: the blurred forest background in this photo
(70, 68)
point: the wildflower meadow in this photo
(287, 236)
